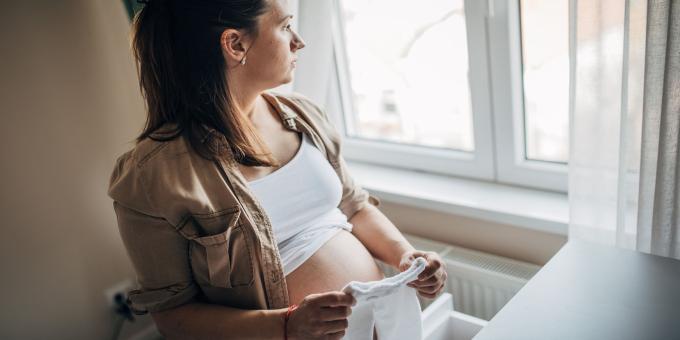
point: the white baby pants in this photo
(389, 305)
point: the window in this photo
(470, 88)
(409, 78)
(545, 74)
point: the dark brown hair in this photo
(182, 74)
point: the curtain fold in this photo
(659, 218)
(623, 167)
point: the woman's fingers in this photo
(335, 313)
(430, 288)
(408, 259)
(335, 336)
(433, 265)
(336, 326)
(436, 278)
(331, 299)
(432, 294)
(431, 280)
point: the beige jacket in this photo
(195, 232)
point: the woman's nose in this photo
(298, 43)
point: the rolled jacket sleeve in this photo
(159, 254)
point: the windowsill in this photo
(520, 207)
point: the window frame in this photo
(505, 59)
(477, 165)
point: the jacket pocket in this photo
(220, 251)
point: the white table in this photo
(588, 291)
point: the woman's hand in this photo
(431, 281)
(321, 316)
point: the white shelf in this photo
(441, 322)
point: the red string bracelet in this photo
(290, 310)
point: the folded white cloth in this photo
(389, 305)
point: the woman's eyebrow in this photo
(286, 17)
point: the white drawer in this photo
(441, 322)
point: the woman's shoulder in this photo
(151, 148)
(146, 162)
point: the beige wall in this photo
(500, 239)
(70, 105)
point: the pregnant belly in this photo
(340, 260)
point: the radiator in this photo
(481, 283)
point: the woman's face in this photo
(271, 57)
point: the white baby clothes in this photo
(389, 305)
(366, 291)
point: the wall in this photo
(70, 104)
(495, 238)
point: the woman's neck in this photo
(246, 102)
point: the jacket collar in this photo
(287, 114)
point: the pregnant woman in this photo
(235, 206)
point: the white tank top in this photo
(301, 199)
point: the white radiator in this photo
(481, 283)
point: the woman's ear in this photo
(233, 46)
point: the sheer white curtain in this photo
(625, 106)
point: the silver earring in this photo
(243, 61)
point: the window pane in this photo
(545, 58)
(408, 69)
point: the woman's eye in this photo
(287, 27)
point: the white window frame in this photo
(505, 60)
(494, 66)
